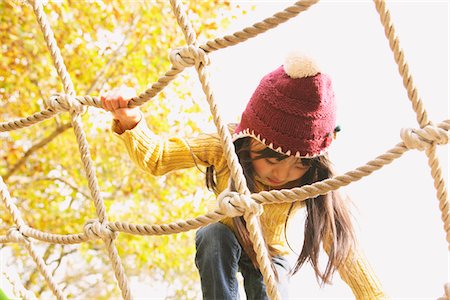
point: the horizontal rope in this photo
(234, 202)
(424, 138)
(229, 203)
(259, 27)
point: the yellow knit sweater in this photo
(160, 156)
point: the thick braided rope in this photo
(220, 43)
(139, 229)
(421, 114)
(18, 288)
(264, 197)
(162, 82)
(16, 236)
(238, 176)
(237, 173)
(426, 140)
(258, 28)
(76, 108)
(403, 68)
(71, 101)
(10, 206)
(441, 190)
(210, 46)
(171, 228)
(44, 270)
(274, 196)
(325, 186)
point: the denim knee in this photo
(217, 258)
(216, 239)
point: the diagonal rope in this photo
(230, 203)
(18, 288)
(16, 236)
(399, 57)
(421, 113)
(264, 197)
(163, 81)
(258, 28)
(237, 173)
(76, 109)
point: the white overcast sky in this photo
(398, 217)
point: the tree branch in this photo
(34, 148)
(73, 186)
(115, 55)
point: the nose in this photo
(281, 172)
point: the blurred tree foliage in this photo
(104, 44)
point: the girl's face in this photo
(274, 172)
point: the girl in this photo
(281, 141)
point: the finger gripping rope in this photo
(187, 56)
(93, 229)
(422, 139)
(65, 102)
(234, 204)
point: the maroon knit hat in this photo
(293, 110)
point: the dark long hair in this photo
(328, 219)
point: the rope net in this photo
(239, 203)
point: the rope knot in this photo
(234, 204)
(65, 102)
(14, 235)
(187, 56)
(422, 139)
(93, 229)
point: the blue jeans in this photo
(220, 256)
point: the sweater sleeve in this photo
(159, 155)
(359, 276)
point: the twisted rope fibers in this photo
(229, 204)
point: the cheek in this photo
(260, 167)
(298, 173)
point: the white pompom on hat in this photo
(298, 65)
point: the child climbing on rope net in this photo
(281, 142)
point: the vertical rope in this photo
(237, 173)
(76, 122)
(421, 114)
(403, 68)
(259, 247)
(18, 288)
(44, 271)
(441, 190)
(12, 208)
(103, 228)
(82, 142)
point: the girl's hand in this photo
(116, 101)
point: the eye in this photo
(271, 161)
(301, 167)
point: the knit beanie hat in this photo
(293, 109)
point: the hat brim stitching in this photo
(246, 133)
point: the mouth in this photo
(274, 182)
